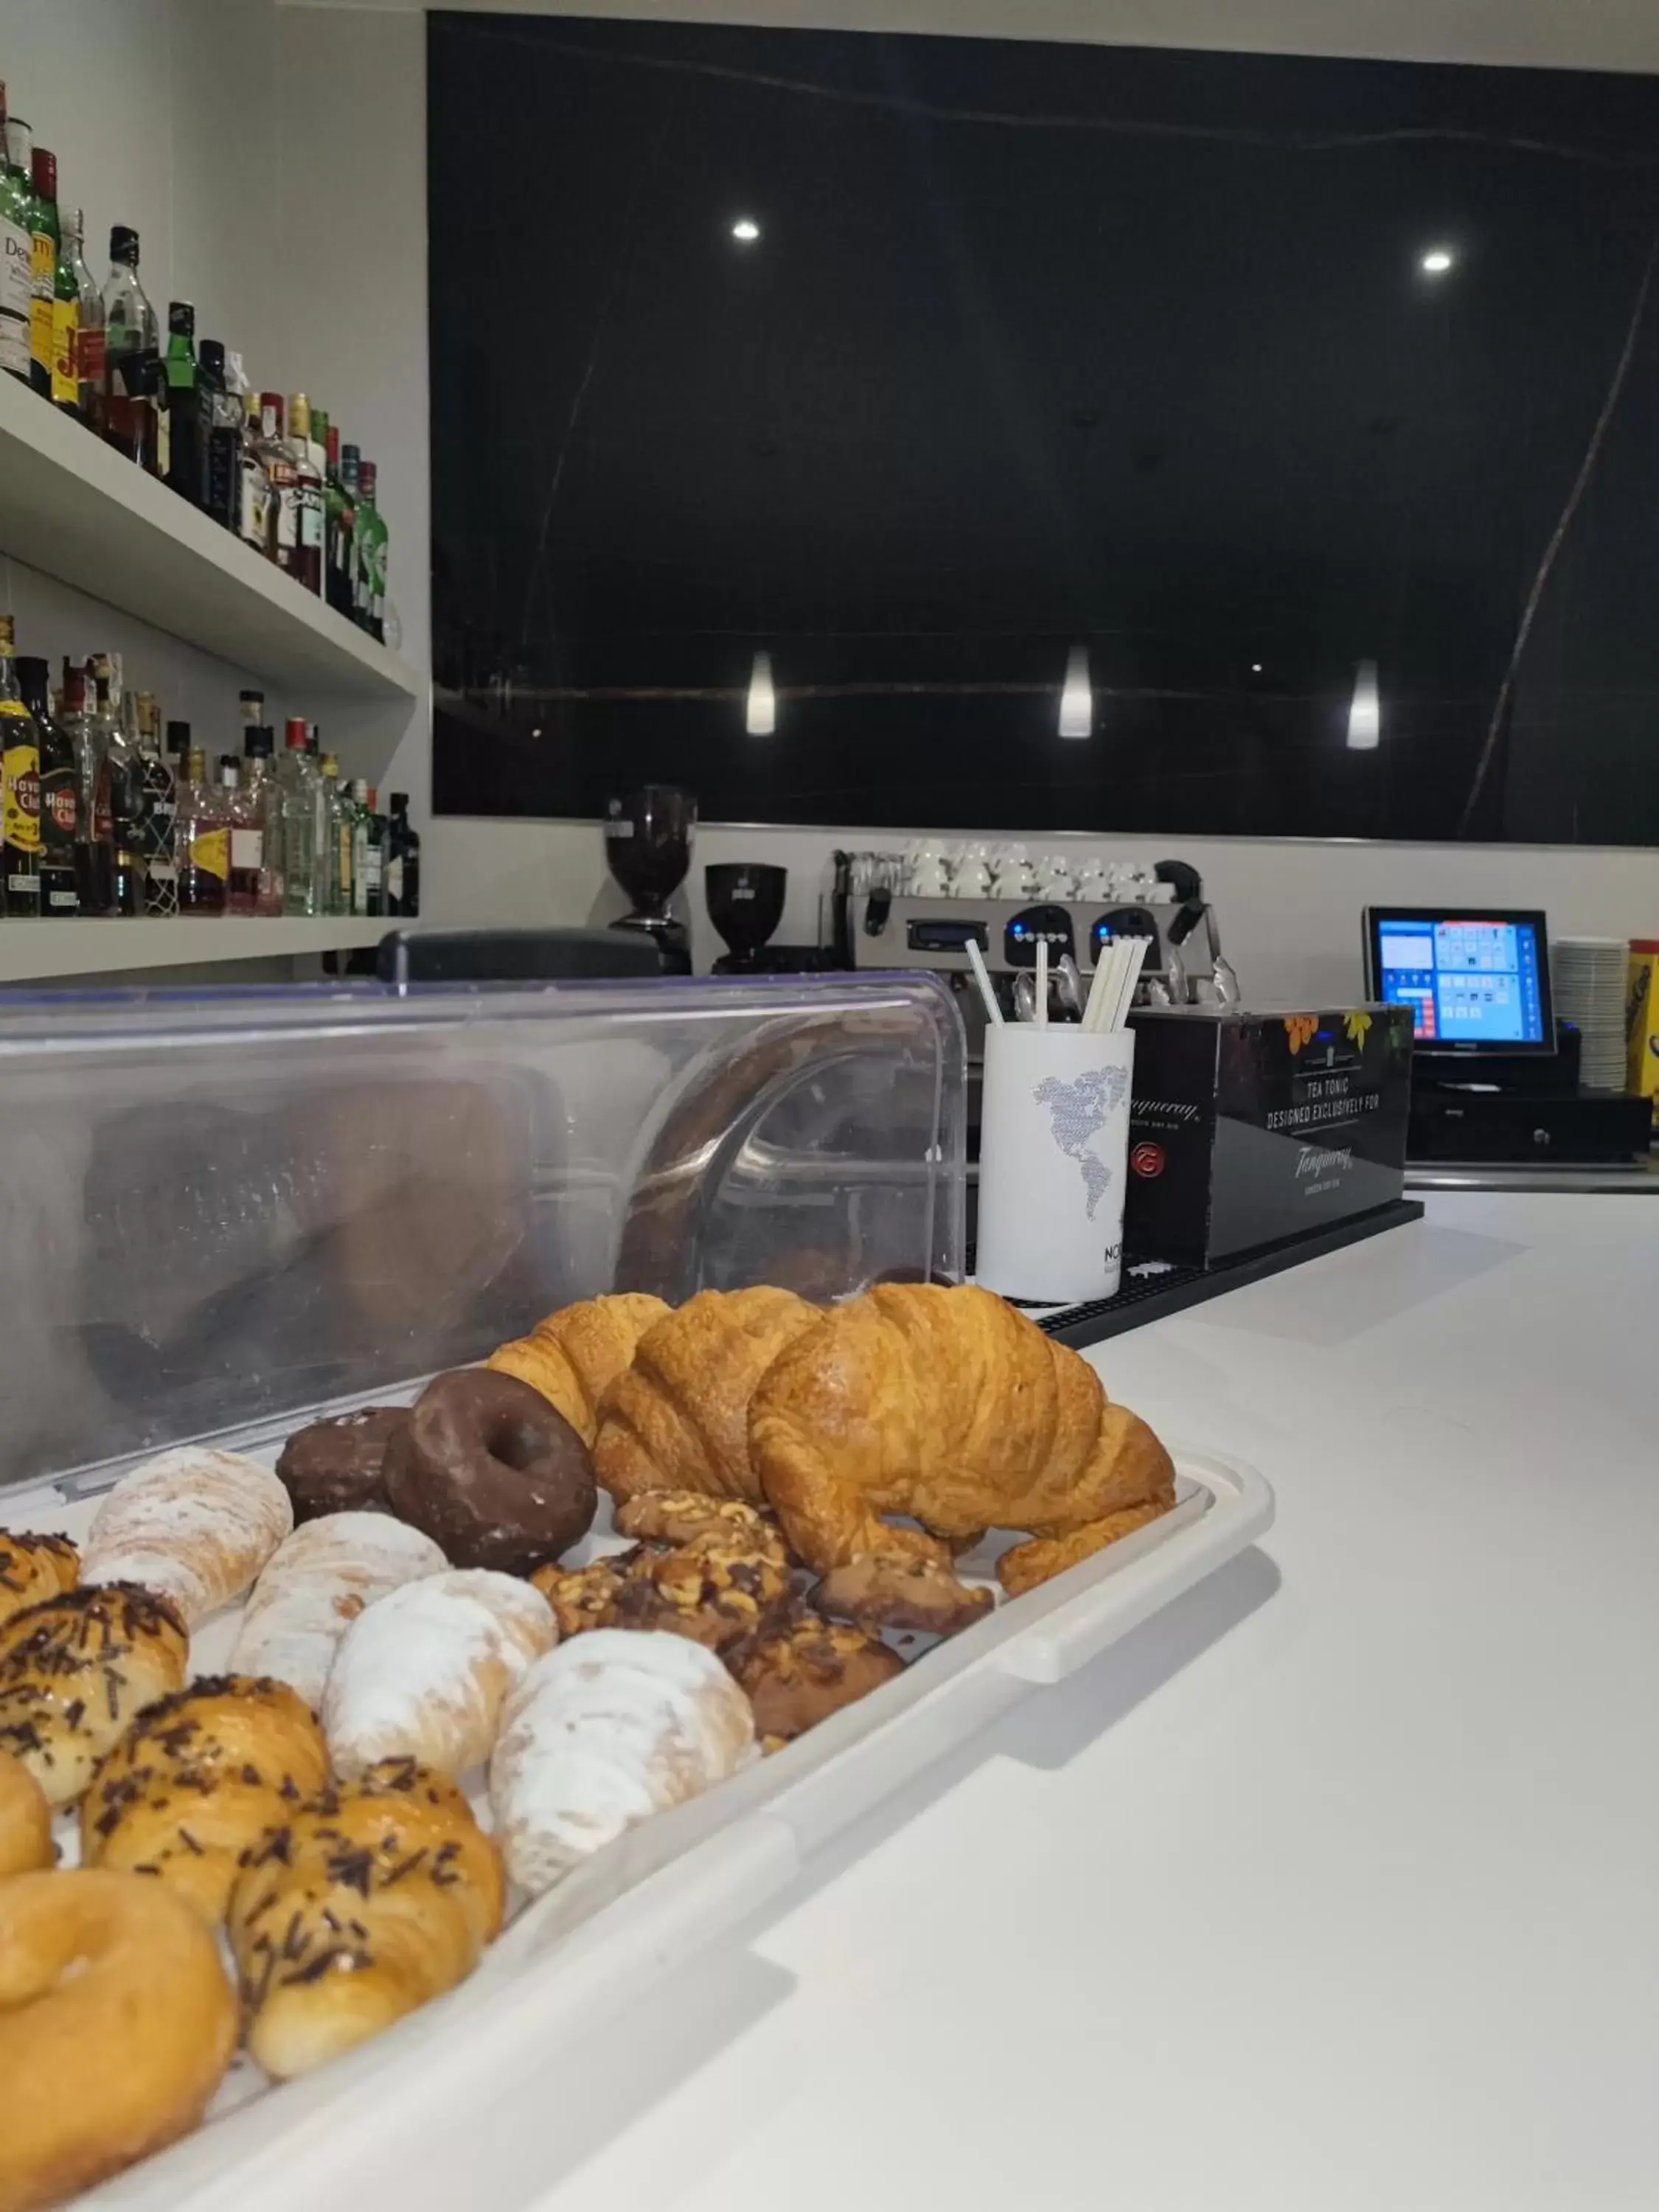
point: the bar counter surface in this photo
(1336, 1885)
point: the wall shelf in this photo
(69, 505)
(36, 951)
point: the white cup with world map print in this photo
(1054, 1152)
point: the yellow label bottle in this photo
(65, 338)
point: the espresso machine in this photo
(922, 909)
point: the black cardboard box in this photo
(1247, 1129)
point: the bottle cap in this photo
(33, 674)
(252, 705)
(210, 359)
(334, 444)
(72, 223)
(319, 425)
(400, 800)
(312, 737)
(181, 319)
(124, 246)
(367, 476)
(294, 734)
(331, 766)
(19, 144)
(299, 418)
(372, 796)
(178, 737)
(359, 788)
(352, 453)
(44, 174)
(230, 773)
(7, 632)
(271, 402)
(196, 764)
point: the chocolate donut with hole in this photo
(490, 1471)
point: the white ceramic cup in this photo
(1054, 1149)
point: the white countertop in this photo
(1337, 1885)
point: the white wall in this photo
(1601, 34)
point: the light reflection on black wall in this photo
(1039, 345)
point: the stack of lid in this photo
(1587, 974)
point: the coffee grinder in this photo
(647, 848)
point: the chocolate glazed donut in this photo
(336, 1466)
(490, 1471)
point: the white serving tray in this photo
(659, 1894)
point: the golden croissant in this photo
(574, 1356)
(197, 1777)
(947, 1405)
(678, 1417)
(365, 1903)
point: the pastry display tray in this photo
(677, 1885)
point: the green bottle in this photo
(372, 536)
(45, 262)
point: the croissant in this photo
(422, 1673)
(361, 1905)
(74, 1672)
(678, 1417)
(948, 1406)
(602, 1733)
(318, 1580)
(574, 1356)
(34, 1567)
(195, 1526)
(196, 1778)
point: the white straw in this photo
(1126, 988)
(1097, 984)
(1102, 1001)
(976, 962)
(1042, 982)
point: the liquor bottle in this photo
(299, 782)
(201, 843)
(253, 512)
(403, 861)
(161, 808)
(65, 289)
(16, 257)
(308, 496)
(222, 412)
(337, 879)
(241, 809)
(337, 530)
(132, 355)
(282, 543)
(95, 854)
(372, 533)
(20, 781)
(367, 852)
(115, 717)
(60, 798)
(44, 246)
(351, 582)
(88, 370)
(186, 415)
(262, 790)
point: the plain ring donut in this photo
(25, 1820)
(116, 2023)
(488, 1470)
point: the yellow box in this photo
(1641, 1019)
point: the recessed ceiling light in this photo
(745, 230)
(1255, 668)
(1436, 261)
